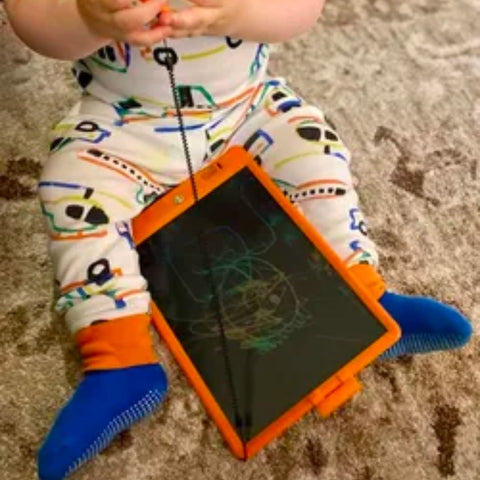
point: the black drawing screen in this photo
(236, 262)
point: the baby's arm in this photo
(257, 20)
(71, 29)
(53, 28)
(279, 20)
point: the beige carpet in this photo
(401, 81)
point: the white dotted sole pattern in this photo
(423, 343)
(121, 422)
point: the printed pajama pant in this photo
(108, 162)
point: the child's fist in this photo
(203, 17)
(131, 21)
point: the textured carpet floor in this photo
(401, 81)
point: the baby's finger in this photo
(185, 34)
(148, 37)
(132, 19)
(165, 18)
(115, 5)
(207, 3)
(192, 19)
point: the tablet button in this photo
(338, 397)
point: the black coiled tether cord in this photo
(169, 58)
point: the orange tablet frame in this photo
(332, 393)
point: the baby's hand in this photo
(204, 17)
(125, 20)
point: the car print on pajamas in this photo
(85, 131)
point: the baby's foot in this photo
(427, 325)
(105, 403)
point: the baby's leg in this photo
(308, 161)
(88, 197)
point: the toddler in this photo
(120, 148)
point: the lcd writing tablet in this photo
(289, 320)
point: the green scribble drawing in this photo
(258, 303)
(259, 306)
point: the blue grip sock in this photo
(427, 325)
(105, 403)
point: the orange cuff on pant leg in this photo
(369, 277)
(118, 343)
